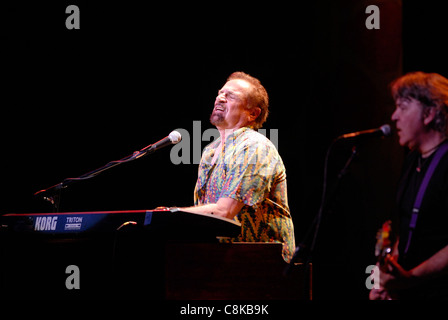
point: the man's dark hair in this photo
(430, 89)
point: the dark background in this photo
(73, 100)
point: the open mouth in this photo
(219, 107)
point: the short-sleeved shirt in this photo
(250, 170)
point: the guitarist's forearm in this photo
(433, 267)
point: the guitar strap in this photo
(421, 191)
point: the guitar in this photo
(383, 252)
(383, 249)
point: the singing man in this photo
(241, 175)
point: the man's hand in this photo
(225, 207)
(394, 277)
(379, 294)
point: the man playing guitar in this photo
(417, 266)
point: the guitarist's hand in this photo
(379, 294)
(394, 277)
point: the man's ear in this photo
(254, 113)
(428, 115)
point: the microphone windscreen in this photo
(175, 137)
(387, 131)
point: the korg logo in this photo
(45, 223)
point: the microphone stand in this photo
(53, 193)
(304, 252)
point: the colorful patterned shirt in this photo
(250, 170)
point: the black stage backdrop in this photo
(73, 100)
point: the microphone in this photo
(383, 131)
(173, 138)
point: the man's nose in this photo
(394, 116)
(221, 97)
